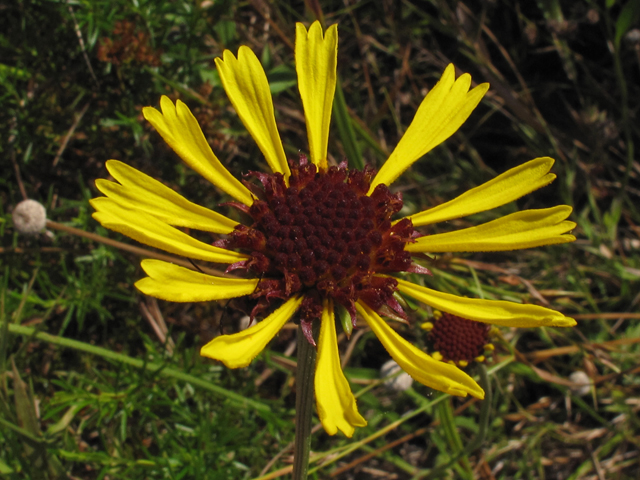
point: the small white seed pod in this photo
(399, 382)
(632, 37)
(29, 217)
(244, 323)
(581, 383)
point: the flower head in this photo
(321, 236)
(458, 340)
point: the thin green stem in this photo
(626, 127)
(143, 252)
(483, 424)
(345, 129)
(154, 367)
(447, 421)
(21, 431)
(336, 454)
(304, 406)
(4, 328)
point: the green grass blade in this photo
(346, 131)
(239, 400)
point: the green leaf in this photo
(26, 412)
(629, 16)
(156, 368)
(281, 78)
(6, 71)
(612, 218)
(265, 58)
(24, 404)
(5, 469)
(211, 75)
(65, 421)
(226, 30)
(345, 129)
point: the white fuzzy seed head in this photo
(29, 217)
(244, 323)
(632, 37)
(582, 383)
(398, 383)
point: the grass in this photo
(98, 382)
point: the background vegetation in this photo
(98, 382)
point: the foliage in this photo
(90, 389)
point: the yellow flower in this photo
(322, 235)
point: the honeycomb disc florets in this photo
(323, 236)
(459, 340)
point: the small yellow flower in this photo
(322, 235)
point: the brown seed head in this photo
(458, 339)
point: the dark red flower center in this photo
(323, 236)
(458, 338)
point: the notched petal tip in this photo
(448, 76)
(494, 312)
(505, 188)
(441, 113)
(481, 89)
(112, 164)
(316, 65)
(564, 322)
(147, 229)
(546, 161)
(516, 231)
(166, 104)
(247, 87)
(139, 191)
(181, 131)
(183, 110)
(479, 394)
(239, 349)
(148, 112)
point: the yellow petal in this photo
(316, 60)
(440, 115)
(239, 349)
(178, 284)
(246, 85)
(141, 192)
(503, 189)
(336, 404)
(179, 128)
(525, 229)
(495, 312)
(424, 369)
(154, 232)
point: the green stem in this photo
(143, 252)
(21, 431)
(345, 129)
(154, 367)
(483, 424)
(304, 406)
